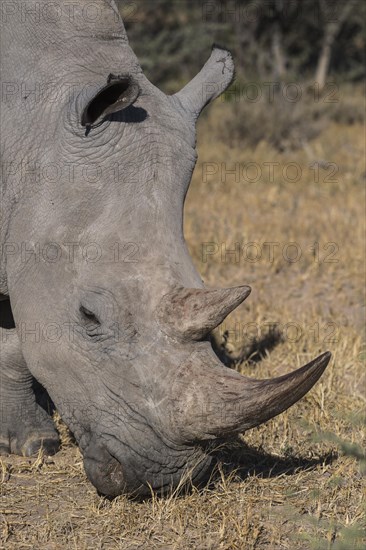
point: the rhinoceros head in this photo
(125, 318)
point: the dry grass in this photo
(298, 481)
(288, 116)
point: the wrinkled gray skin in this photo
(120, 341)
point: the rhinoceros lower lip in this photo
(104, 472)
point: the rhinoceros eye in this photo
(88, 316)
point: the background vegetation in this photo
(297, 482)
(270, 39)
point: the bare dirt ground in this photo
(297, 482)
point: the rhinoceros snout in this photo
(104, 471)
(140, 477)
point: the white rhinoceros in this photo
(101, 303)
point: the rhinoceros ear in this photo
(120, 92)
(213, 79)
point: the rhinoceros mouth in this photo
(113, 475)
(104, 471)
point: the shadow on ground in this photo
(240, 459)
(254, 352)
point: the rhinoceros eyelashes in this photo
(119, 93)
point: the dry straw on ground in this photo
(298, 481)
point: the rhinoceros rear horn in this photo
(120, 92)
(192, 313)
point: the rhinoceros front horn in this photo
(215, 401)
(208, 399)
